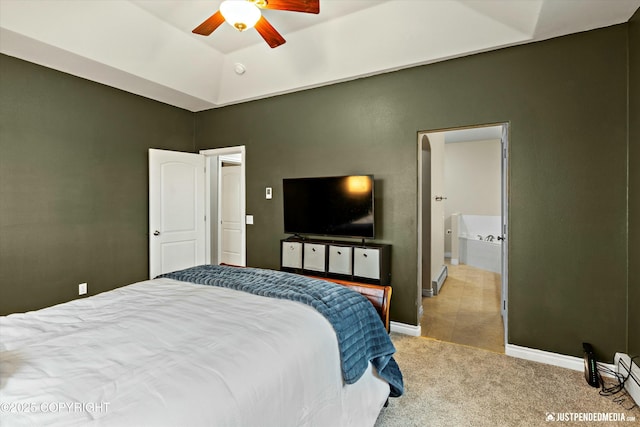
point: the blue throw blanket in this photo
(361, 335)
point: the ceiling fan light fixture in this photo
(240, 14)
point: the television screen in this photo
(329, 206)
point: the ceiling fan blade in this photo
(209, 25)
(268, 33)
(306, 6)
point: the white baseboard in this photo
(406, 329)
(549, 358)
(632, 385)
(438, 281)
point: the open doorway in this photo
(225, 205)
(462, 226)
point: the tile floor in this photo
(467, 309)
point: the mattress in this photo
(166, 353)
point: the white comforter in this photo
(167, 353)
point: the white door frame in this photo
(504, 308)
(212, 170)
(505, 229)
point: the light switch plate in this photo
(249, 219)
(268, 193)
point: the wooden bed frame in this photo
(379, 296)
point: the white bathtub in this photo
(480, 253)
(469, 243)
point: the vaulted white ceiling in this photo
(146, 46)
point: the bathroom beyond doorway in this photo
(467, 310)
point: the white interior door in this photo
(176, 211)
(424, 217)
(438, 269)
(231, 224)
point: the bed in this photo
(208, 346)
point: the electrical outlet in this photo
(82, 288)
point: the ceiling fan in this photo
(244, 14)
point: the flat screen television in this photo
(329, 206)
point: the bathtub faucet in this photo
(479, 237)
(489, 238)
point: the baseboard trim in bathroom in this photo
(436, 285)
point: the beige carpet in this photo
(454, 385)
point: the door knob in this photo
(156, 233)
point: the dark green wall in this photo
(73, 183)
(634, 185)
(73, 176)
(565, 100)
